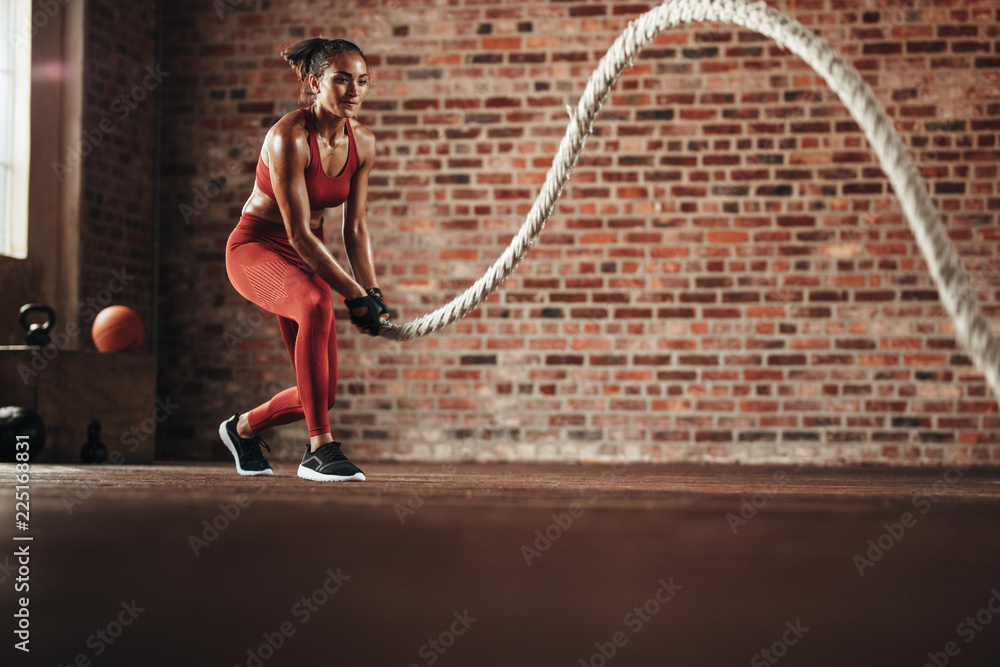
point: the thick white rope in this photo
(971, 327)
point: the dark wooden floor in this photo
(427, 564)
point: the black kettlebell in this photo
(93, 450)
(17, 421)
(37, 333)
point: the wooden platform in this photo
(69, 388)
(480, 565)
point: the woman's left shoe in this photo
(249, 459)
(328, 464)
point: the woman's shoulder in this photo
(292, 122)
(364, 138)
(290, 127)
(289, 136)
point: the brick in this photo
(882, 49)
(727, 236)
(937, 46)
(675, 313)
(786, 360)
(713, 436)
(759, 406)
(477, 359)
(502, 43)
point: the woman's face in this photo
(344, 85)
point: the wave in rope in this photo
(971, 327)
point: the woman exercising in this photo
(312, 159)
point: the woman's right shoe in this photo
(249, 459)
(328, 464)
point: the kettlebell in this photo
(37, 333)
(17, 421)
(93, 450)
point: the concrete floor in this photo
(428, 564)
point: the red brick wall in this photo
(116, 154)
(728, 277)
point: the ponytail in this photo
(313, 56)
(300, 55)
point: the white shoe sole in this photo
(224, 434)
(310, 474)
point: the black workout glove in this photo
(376, 294)
(369, 322)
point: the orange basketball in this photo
(118, 329)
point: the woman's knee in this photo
(316, 303)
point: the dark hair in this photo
(313, 56)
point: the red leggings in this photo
(264, 268)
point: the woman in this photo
(276, 257)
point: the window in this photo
(15, 91)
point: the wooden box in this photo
(68, 388)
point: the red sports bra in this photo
(324, 191)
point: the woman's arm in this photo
(288, 149)
(357, 240)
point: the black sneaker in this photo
(246, 451)
(328, 464)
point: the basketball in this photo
(118, 329)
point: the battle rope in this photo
(971, 327)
